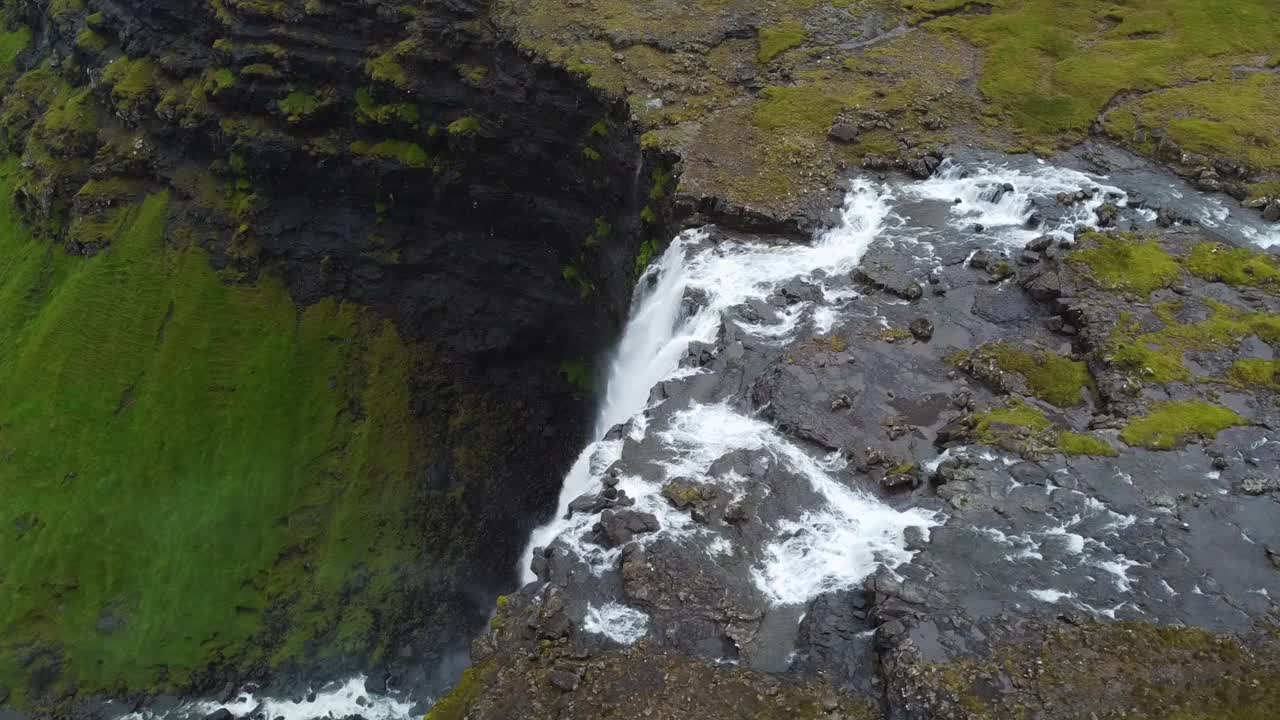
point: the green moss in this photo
(1171, 425)
(1158, 355)
(13, 42)
(647, 215)
(577, 374)
(1253, 374)
(457, 703)
(578, 279)
(991, 424)
(91, 41)
(778, 39)
(1123, 261)
(464, 127)
(368, 111)
(133, 82)
(263, 70)
(591, 154)
(662, 183)
(600, 232)
(1071, 443)
(894, 335)
(1050, 377)
(474, 75)
(901, 469)
(601, 128)
(221, 79)
(648, 251)
(120, 371)
(388, 68)
(1238, 267)
(298, 105)
(406, 153)
(65, 9)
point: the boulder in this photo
(844, 132)
(921, 328)
(890, 281)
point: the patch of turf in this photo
(1071, 443)
(1123, 261)
(1050, 377)
(777, 39)
(1238, 267)
(1158, 356)
(1016, 414)
(1252, 374)
(1172, 425)
(181, 460)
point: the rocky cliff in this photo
(305, 300)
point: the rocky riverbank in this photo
(959, 480)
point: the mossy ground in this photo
(1010, 74)
(1171, 425)
(1152, 672)
(1158, 356)
(1017, 425)
(1126, 262)
(150, 406)
(1049, 376)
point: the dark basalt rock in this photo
(890, 281)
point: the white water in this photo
(817, 551)
(971, 188)
(336, 700)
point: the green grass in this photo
(1252, 374)
(1238, 267)
(1171, 425)
(1052, 65)
(1222, 118)
(778, 39)
(1125, 262)
(179, 458)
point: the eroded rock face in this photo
(403, 160)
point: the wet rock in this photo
(921, 328)
(220, 714)
(890, 281)
(982, 260)
(1273, 554)
(843, 402)
(1255, 485)
(618, 528)
(1272, 211)
(587, 504)
(1028, 257)
(1040, 244)
(1107, 214)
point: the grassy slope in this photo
(176, 454)
(1053, 65)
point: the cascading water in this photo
(656, 337)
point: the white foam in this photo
(335, 700)
(1050, 596)
(975, 186)
(621, 624)
(657, 334)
